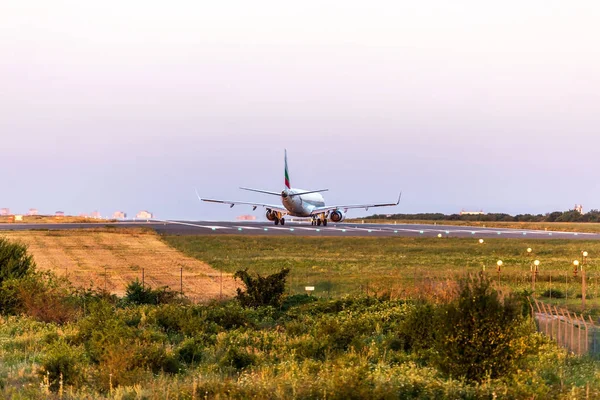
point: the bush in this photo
(237, 358)
(554, 293)
(136, 293)
(261, 291)
(475, 335)
(15, 263)
(61, 362)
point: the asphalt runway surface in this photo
(305, 229)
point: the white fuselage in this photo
(301, 205)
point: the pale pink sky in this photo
(467, 104)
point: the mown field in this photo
(342, 266)
(110, 258)
(587, 227)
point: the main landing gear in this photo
(279, 221)
(318, 220)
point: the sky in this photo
(130, 105)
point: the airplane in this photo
(300, 203)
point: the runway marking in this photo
(248, 227)
(212, 227)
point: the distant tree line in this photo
(556, 216)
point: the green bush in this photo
(61, 362)
(261, 291)
(15, 262)
(554, 293)
(15, 265)
(136, 293)
(474, 336)
(237, 358)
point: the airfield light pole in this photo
(584, 255)
(534, 272)
(498, 268)
(529, 250)
(575, 268)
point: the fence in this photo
(569, 330)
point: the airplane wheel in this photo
(318, 222)
(282, 220)
(324, 222)
(276, 221)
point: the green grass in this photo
(587, 227)
(338, 266)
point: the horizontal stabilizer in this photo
(312, 191)
(262, 191)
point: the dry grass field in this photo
(84, 256)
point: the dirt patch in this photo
(112, 258)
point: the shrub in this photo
(191, 351)
(15, 263)
(136, 293)
(474, 335)
(555, 293)
(261, 291)
(61, 362)
(237, 358)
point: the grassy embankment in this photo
(339, 266)
(588, 227)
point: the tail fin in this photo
(287, 175)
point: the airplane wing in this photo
(232, 203)
(320, 210)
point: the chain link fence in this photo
(574, 332)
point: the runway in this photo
(303, 229)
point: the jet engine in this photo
(271, 215)
(337, 216)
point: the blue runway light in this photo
(499, 233)
(473, 232)
(291, 229)
(370, 231)
(239, 229)
(214, 229)
(524, 233)
(343, 230)
(395, 231)
(266, 229)
(421, 232)
(318, 230)
(447, 232)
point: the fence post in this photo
(587, 337)
(566, 333)
(557, 326)
(578, 335)
(593, 335)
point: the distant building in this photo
(33, 211)
(4, 212)
(59, 214)
(246, 218)
(578, 208)
(144, 215)
(480, 212)
(119, 215)
(96, 215)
